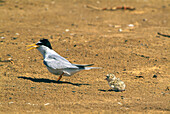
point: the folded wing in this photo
(58, 62)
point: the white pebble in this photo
(28, 103)
(11, 102)
(120, 30)
(46, 104)
(131, 25)
(2, 37)
(67, 30)
(119, 103)
(16, 33)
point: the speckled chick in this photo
(115, 83)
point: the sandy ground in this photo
(83, 35)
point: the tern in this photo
(55, 63)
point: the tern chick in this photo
(55, 63)
(115, 83)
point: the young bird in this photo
(55, 63)
(115, 83)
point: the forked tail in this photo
(89, 68)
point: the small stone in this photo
(67, 30)
(75, 45)
(155, 76)
(126, 41)
(167, 89)
(46, 104)
(144, 19)
(119, 103)
(11, 102)
(120, 30)
(122, 97)
(14, 38)
(9, 55)
(139, 77)
(17, 34)
(2, 37)
(28, 103)
(131, 25)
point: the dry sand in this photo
(84, 36)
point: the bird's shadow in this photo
(50, 81)
(110, 90)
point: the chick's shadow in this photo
(110, 90)
(50, 81)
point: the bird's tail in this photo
(89, 68)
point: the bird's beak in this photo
(33, 46)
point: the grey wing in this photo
(58, 62)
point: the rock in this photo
(155, 76)
(67, 30)
(131, 25)
(2, 37)
(46, 104)
(14, 38)
(139, 77)
(120, 30)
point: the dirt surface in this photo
(123, 42)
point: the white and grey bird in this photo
(55, 63)
(115, 83)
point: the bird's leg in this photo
(60, 77)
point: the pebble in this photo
(46, 104)
(17, 34)
(2, 37)
(144, 19)
(28, 103)
(119, 103)
(122, 97)
(155, 76)
(14, 38)
(11, 102)
(120, 30)
(131, 25)
(139, 77)
(67, 30)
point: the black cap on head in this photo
(44, 42)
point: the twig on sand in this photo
(112, 8)
(165, 35)
(9, 60)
